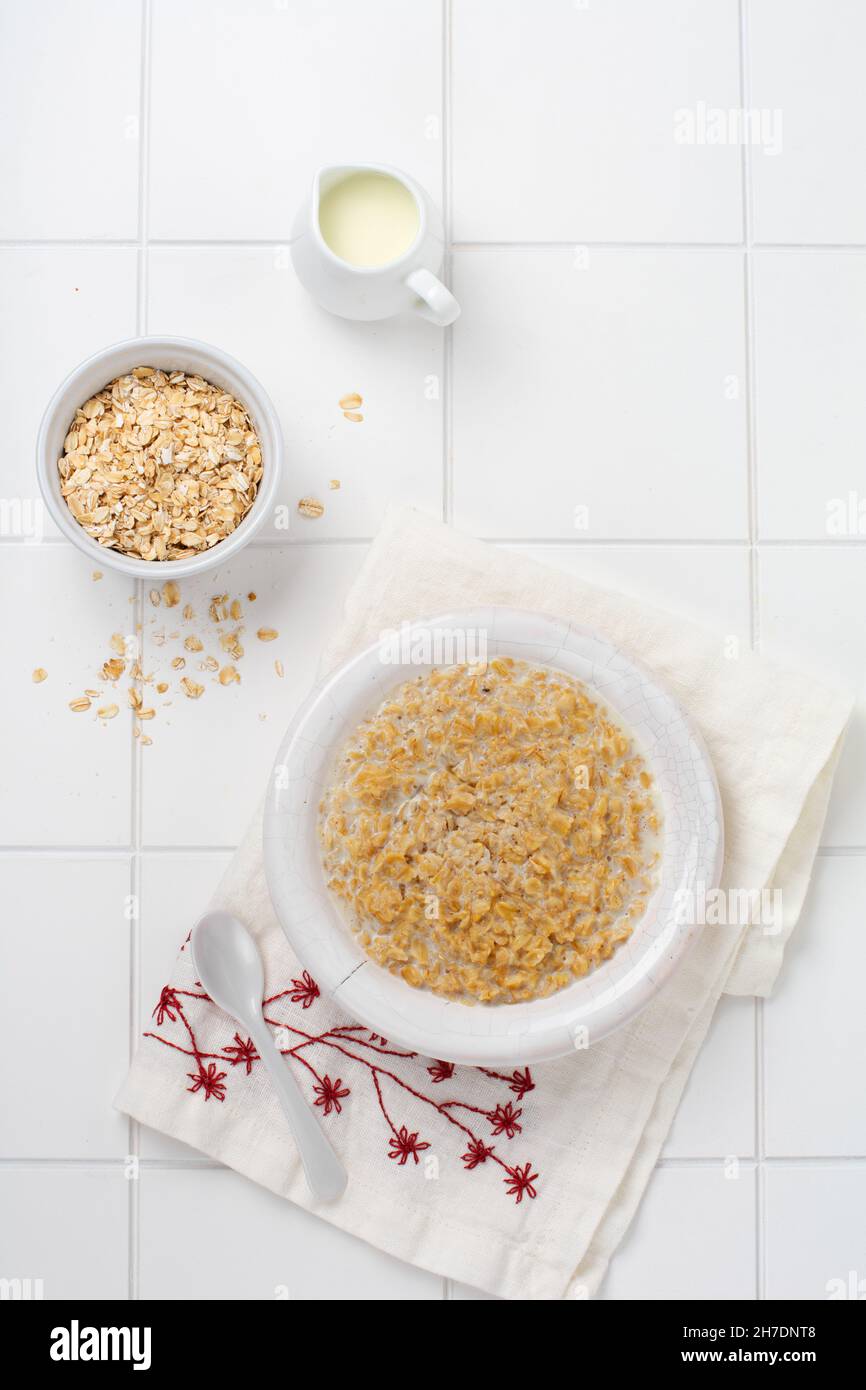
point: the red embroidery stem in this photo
(520, 1179)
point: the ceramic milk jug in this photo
(369, 243)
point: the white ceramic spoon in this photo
(228, 963)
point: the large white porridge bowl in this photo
(491, 1034)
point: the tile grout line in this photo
(135, 959)
(447, 1287)
(268, 244)
(749, 345)
(854, 247)
(66, 851)
(143, 170)
(114, 852)
(561, 247)
(103, 1164)
(264, 542)
(814, 1162)
(447, 218)
(138, 608)
(760, 1157)
(754, 599)
(126, 851)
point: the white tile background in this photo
(670, 336)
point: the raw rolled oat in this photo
(160, 466)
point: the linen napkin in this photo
(522, 1181)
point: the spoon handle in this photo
(325, 1174)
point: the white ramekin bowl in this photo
(510, 1034)
(174, 355)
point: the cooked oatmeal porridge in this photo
(491, 832)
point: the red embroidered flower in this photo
(329, 1095)
(168, 1002)
(477, 1152)
(305, 990)
(521, 1082)
(209, 1080)
(520, 1181)
(405, 1145)
(185, 1009)
(504, 1120)
(242, 1053)
(441, 1071)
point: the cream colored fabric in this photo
(593, 1124)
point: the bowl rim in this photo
(70, 394)
(542, 1040)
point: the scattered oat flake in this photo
(171, 594)
(210, 663)
(39, 675)
(353, 415)
(252, 597)
(92, 694)
(310, 506)
(155, 597)
(145, 741)
(215, 609)
(188, 611)
(108, 711)
(134, 697)
(79, 705)
(278, 667)
(178, 663)
(230, 642)
(334, 484)
(118, 644)
(228, 674)
(193, 644)
(267, 634)
(352, 401)
(192, 688)
(97, 574)
(147, 714)
(162, 687)
(113, 669)
(235, 610)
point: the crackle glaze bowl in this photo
(492, 1034)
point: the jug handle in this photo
(435, 302)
